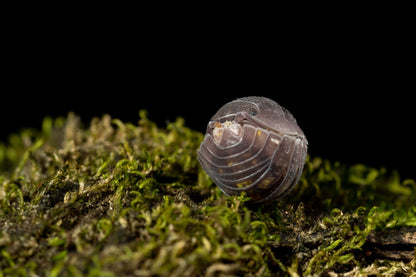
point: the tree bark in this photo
(392, 244)
(395, 244)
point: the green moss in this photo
(118, 199)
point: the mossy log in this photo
(122, 199)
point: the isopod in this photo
(254, 145)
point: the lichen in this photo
(122, 199)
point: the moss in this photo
(119, 199)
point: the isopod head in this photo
(254, 145)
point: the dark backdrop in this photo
(350, 92)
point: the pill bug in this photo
(254, 145)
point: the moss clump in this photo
(118, 199)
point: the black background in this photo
(350, 92)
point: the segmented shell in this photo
(254, 145)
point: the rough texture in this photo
(118, 199)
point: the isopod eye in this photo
(253, 112)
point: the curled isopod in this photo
(254, 145)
